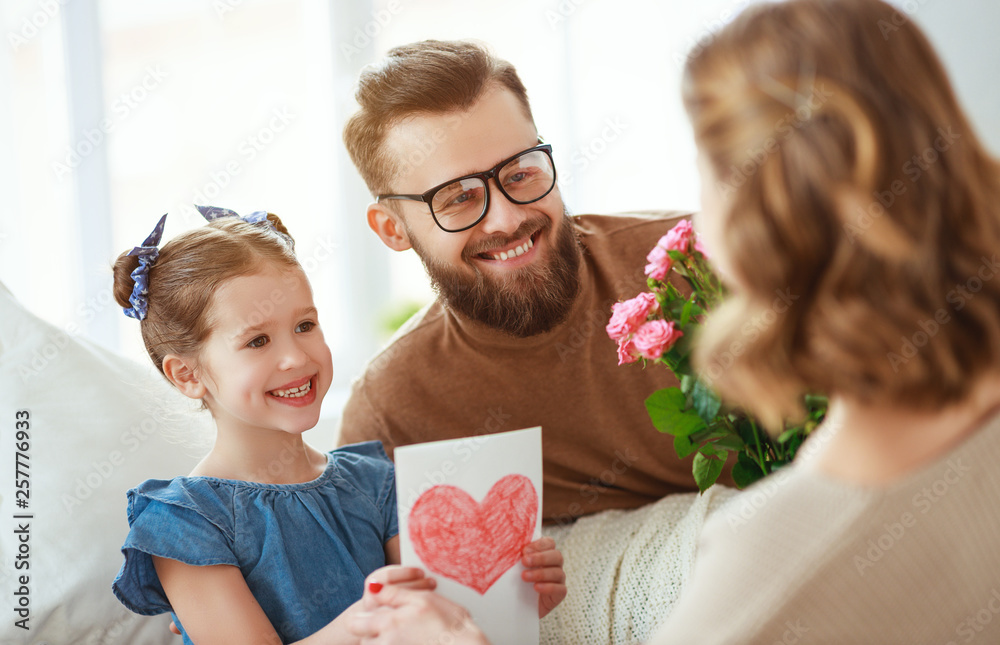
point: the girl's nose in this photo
(293, 356)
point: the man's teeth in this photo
(295, 392)
(517, 250)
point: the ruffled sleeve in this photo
(187, 520)
(367, 468)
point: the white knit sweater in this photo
(799, 558)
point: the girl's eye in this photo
(305, 326)
(258, 342)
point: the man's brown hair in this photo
(428, 77)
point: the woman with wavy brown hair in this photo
(839, 170)
(838, 167)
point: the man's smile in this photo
(508, 252)
(517, 253)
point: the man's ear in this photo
(388, 226)
(181, 373)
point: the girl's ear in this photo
(388, 226)
(181, 373)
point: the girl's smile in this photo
(298, 393)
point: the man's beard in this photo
(523, 302)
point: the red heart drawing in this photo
(474, 544)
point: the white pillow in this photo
(99, 424)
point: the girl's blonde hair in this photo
(861, 203)
(189, 270)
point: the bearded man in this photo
(447, 145)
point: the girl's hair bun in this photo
(123, 282)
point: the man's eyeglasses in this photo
(459, 204)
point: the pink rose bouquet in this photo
(658, 325)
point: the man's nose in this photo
(503, 216)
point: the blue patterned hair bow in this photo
(147, 253)
(212, 213)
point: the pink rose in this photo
(627, 316)
(659, 263)
(626, 351)
(655, 337)
(678, 238)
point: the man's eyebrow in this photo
(266, 324)
(495, 164)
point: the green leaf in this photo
(706, 402)
(711, 450)
(792, 447)
(730, 442)
(815, 402)
(677, 256)
(708, 434)
(681, 362)
(745, 428)
(667, 410)
(788, 434)
(683, 346)
(684, 446)
(745, 471)
(706, 470)
(686, 312)
(776, 464)
(673, 310)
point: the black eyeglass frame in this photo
(428, 195)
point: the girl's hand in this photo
(544, 566)
(399, 615)
(397, 576)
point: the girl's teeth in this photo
(295, 392)
(515, 252)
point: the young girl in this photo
(268, 540)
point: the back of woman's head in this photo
(189, 270)
(857, 188)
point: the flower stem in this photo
(760, 453)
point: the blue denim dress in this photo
(304, 549)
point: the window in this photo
(118, 111)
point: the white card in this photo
(466, 509)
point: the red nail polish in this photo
(374, 587)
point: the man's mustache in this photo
(500, 240)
